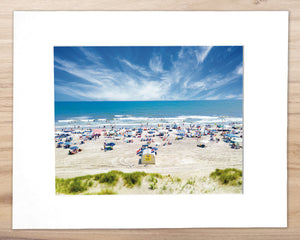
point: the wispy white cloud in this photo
(140, 69)
(129, 81)
(156, 64)
(195, 85)
(90, 55)
(106, 84)
(202, 53)
(239, 70)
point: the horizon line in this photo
(153, 100)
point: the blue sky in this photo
(148, 73)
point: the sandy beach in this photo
(182, 159)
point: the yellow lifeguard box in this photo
(148, 157)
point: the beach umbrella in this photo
(97, 131)
(74, 148)
(237, 140)
(233, 136)
(67, 145)
(110, 144)
(138, 151)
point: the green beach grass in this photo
(81, 184)
(104, 183)
(228, 176)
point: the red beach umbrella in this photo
(97, 131)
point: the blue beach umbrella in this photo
(110, 144)
(74, 147)
(231, 135)
(67, 145)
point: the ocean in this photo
(137, 113)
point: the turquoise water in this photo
(146, 112)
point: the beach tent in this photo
(148, 157)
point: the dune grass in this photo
(110, 178)
(105, 182)
(80, 185)
(156, 175)
(70, 186)
(153, 186)
(228, 176)
(132, 179)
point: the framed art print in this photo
(150, 119)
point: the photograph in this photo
(148, 120)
